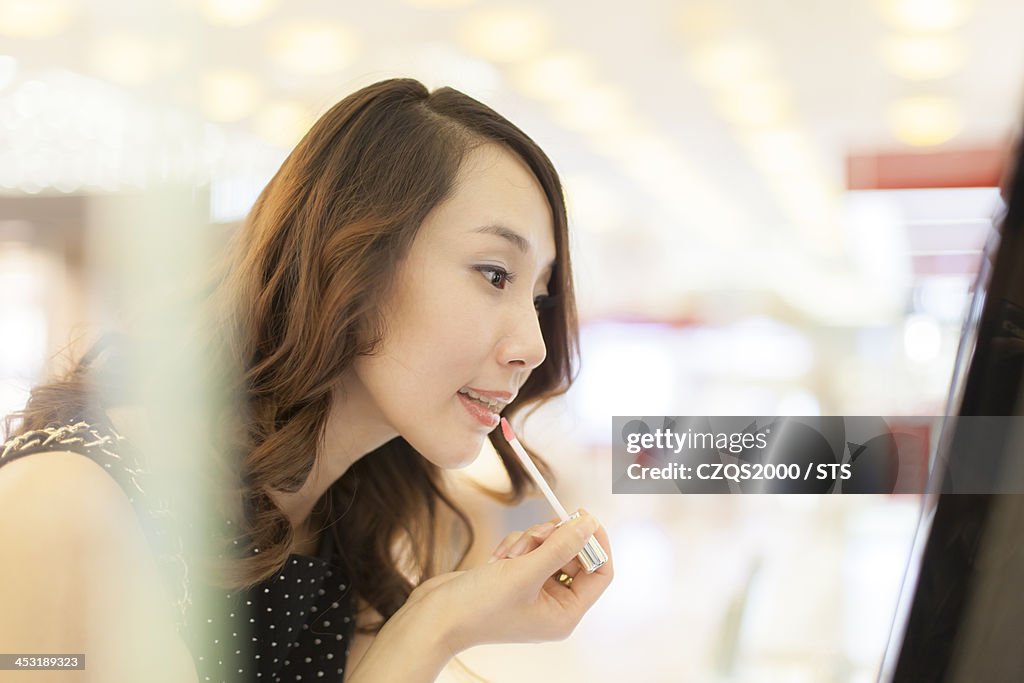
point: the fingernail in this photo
(494, 558)
(545, 527)
(588, 522)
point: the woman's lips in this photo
(479, 411)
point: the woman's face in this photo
(455, 319)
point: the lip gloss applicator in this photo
(593, 555)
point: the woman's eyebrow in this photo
(517, 240)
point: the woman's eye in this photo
(502, 276)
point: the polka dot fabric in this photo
(295, 626)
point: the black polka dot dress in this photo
(296, 625)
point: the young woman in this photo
(401, 281)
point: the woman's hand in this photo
(517, 597)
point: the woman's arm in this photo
(409, 648)
(78, 576)
(361, 642)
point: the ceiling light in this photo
(283, 123)
(754, 104)
(553, 77)
(599, 109)
(640, 149)
(314, 48)
(229, 94)
(921, 58)
(235, 12)
(171, 55)
(123, 59)
(505, 35)
(925, 15)
(63, 130)
(34, 18)
(924, 121)
(724, 63)
(701, 21)
(439, 4)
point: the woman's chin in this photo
(459, 459)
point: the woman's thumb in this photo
(563, 544)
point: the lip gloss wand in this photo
(593, 555)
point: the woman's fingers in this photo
(572, 568)
(563, 544)
(587, 588)
(520, 542)
(530, 539)
(547, 544)
(505, 544)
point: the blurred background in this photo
(777, 208)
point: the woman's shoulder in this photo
(59, 482)
(33, 452)
(69, 504)
(83, 477)
(77, 550)
(83, 454)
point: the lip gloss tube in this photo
(593, 555)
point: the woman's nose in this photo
(524, 344)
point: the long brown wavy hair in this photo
(298, 297)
